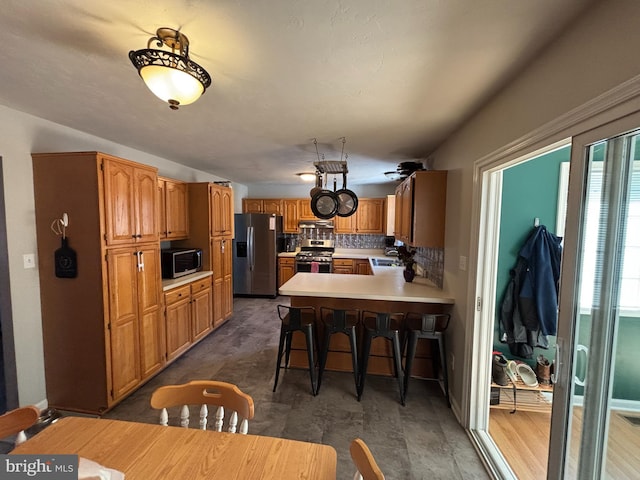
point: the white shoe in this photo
(527, 375)
(512, 371)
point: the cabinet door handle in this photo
(142, 261)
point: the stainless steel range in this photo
(315, 255)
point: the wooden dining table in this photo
(145, 452)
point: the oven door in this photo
(306, 266)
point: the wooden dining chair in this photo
(205, 393)
(365, 463)
(15, 422)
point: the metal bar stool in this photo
(385, 325)
(339, 321)
(297, 319)
(432, 327)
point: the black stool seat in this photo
(385, 325)
(339, 321)
(297, 319)
(432, 326)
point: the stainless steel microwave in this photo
(177, 262)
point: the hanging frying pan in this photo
(324, 204)
(318, 186)
(347, 200)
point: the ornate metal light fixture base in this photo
(172, 77)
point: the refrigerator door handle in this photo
(250, 247)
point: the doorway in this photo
(518, 197)
(596, 403)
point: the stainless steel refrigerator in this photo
(258, 239)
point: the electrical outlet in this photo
(29, 260)
(462, 263)
(452, 361)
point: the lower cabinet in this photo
(222, 266)
(178, 317)
(286, 269)
(201, 308)
(188, 311)
(362, 267)
(136, 329)
(343, 265)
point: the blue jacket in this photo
(538, 296)
(529, 310)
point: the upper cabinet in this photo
(221, 210)
(130, 193)
(290, 215)
(173, 207)
(262, 205)
(420, 209)
(305, 210)
(369, 218)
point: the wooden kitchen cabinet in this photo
(222, 251)
(252, 205)
(188, 315)
(262, 205)
(305, 210)
(178, 318)
(221, 199)
(130, 201)
(369, 218)
(286, 269)
(343, 265)
(420, 209)
(173, 207)
(290, 215)
(103, 329)
(201, 308)
(362, 267)
(211, 225)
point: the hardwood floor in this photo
(523, 438)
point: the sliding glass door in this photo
(597, 370)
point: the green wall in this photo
(529, 191)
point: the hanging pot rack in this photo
(325, 203)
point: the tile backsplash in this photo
(430, 259)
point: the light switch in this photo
(29, 260)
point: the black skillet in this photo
(347, 200)
(324, 204)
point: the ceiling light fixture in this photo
(172, 77)
(307, 177)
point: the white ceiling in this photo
(393, 77)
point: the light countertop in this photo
(387, 283)
(169, 283)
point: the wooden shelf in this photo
(531, 399)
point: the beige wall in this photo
(23, 134)
(594, 56)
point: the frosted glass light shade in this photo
(307, 177)
(167, 84)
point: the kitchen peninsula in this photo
(384, 291)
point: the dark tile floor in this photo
(419, 441)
